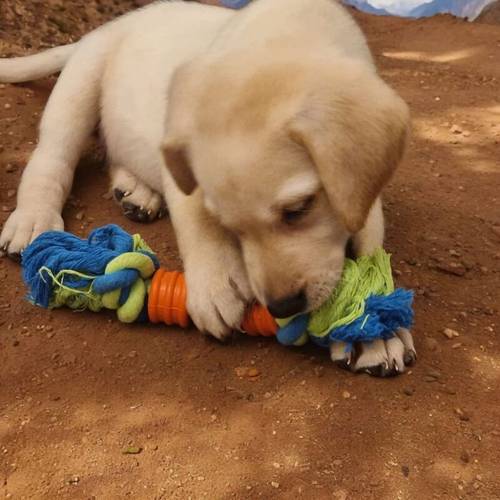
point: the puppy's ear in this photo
(175, 147)
(354, 130)
(177, 161)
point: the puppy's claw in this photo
(15, 256)
(410, 357)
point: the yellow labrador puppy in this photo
(267, 132)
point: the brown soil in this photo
(77, 389)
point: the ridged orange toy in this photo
(167, 304)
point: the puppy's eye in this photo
(295, 213)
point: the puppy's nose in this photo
(288, 306)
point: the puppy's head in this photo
(290, 158)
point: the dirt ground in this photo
(79, 389)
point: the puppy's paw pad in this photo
(139, 203)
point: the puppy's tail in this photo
(28, 68)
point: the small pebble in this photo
(80, 215)
(448, 390)
(462, 415)
(11, 193)
(454, 268)
(7, 105)
(465, 457)
(409, 391)
(253, 372)
(274, 484)
(432, 372)
(405, 470)
(346, 394)
(132, 450)
(10, 168)
(450, 333)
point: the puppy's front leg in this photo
(69, 118)
(217, 283)
(380, 358)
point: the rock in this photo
(11, 193)
(80, 215)
(253, 372)
(274, 484)
(132, 450)
(448, 390)
(245, 371)
(490, 14)
(7, 105)
(74, 480)
(346, 394)
(453, 268)
(409, 391)
(10, 168)
(462, 415)
(240, 371)
(405, 470)
(455, 129)
(432, 372)
(450, 333)
(465, 457)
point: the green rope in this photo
(368, 275)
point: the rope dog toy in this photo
(115, 270)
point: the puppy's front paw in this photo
(380, 358)
(218, 288)
(24, 225)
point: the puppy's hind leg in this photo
(69, 118)
(139, 202)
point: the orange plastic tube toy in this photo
(167, 304)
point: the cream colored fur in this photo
(259, 114)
